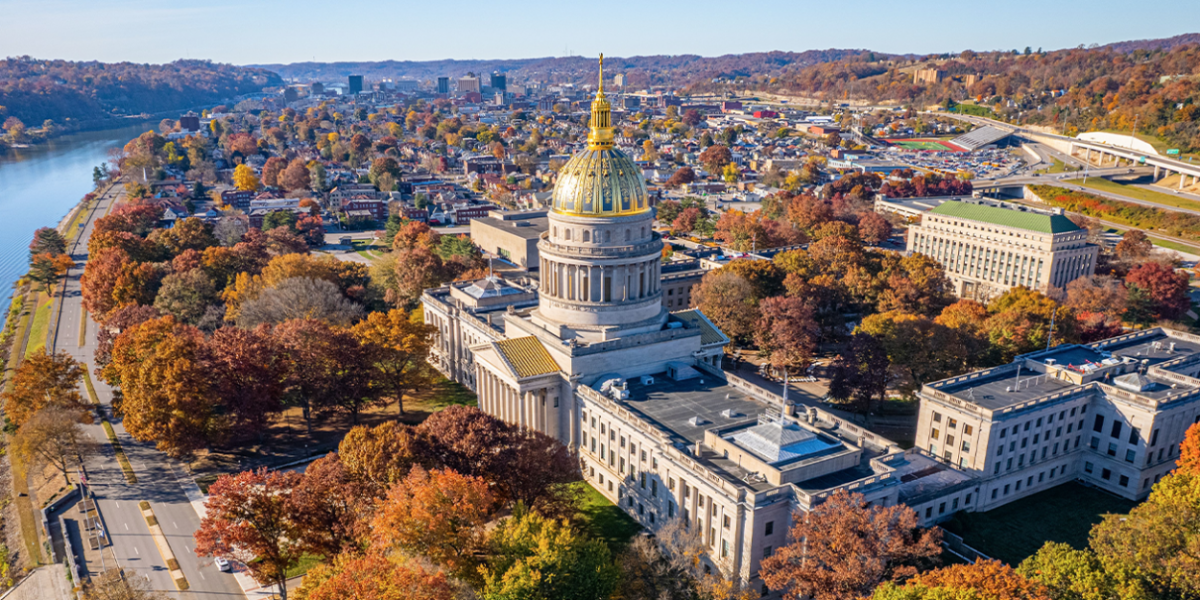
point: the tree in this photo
(989, 579)
(398, 345)
(280, 218)
(1165, 290)
(382, 455)
(1099, 293)
(229, 230)
(727, 299)
(330, 369)
(843, 548)
(731, 173)
(1071, 574)
(247, 371)
(1020, 322)
(186, 295)
(1134, 246)
(45, 269)
(330, 508)
(417, 270)
(114, 584)
(165, 388)
(188, 234)
(282, 240)
(244, 178)
(250, 518)
(788, 331)
(53, 436)
(1156, 541)
(860, 373)
(296, 176)
(535, 558)
(440, 515)
(918, 349)
(681, 176)
(374, 577)
(1189, 451)
(714, 158)
(47, 240)
(873, 228)
(299, 298)
(43, 380)
(272, 169)
(117, 322)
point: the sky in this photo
(265, 32)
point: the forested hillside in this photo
(34, 90)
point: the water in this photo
(39, 185)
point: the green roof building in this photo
(988, 247)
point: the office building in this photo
(1111, 414)
(356, 84)
(499, 82)
(443, 85)
(988, 247)
(468, 84)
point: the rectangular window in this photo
(1154, 438)
(1112, 449)
(1020, 460)
(996, 470)
(1130, 455)
(643, 479)
(1098, 426)
(949, 440)
(1134, 435)
(954, 505)
(1041, 476)
(952, 423)
(768, 551)
(1026, 425)
(1000, 450)
(1123, 481)
(1039, 421)
(1116, 429)
(622, 441)
(1035, 438)
(1006, 487)
(725, 521)
(966, 446)
(621, 462)
(769, 528)
(1094, 443)
(1003, 433)
(1105, 474)
(934, 434)
(1008, 467)
(671, 483)
(968, 500)
(929, 512)
(1018, 485)
(1087, 467)
(942, 508)
(994, 493)
(968, 430)
(1024, 442)
(670, 510)
(937, 417)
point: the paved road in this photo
(157, 475)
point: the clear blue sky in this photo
(256, 31)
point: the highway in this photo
(158, 476)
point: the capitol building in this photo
(590, 355)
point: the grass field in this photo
(922, 144)
(1016, 530)
(1058, 167)
(605, 521)
(40, 327)
(1139, 193)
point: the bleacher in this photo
(980, 137)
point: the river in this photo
(39, 185)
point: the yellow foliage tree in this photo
(245, 179)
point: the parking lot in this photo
(985, 164)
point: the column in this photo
(522, 418)
(1155, 173)
(596, 275)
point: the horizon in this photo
(263, 34)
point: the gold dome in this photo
(601, 181)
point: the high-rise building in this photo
(619, 80)
(988, 247)
(189, 122)
(443, 85)
(499, 82)
(356, 84)
(468, 84)
(318, 88)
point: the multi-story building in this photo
(468, 84)
(499, 81)
(594, 359)
(928, 76)
(1111, 414)
(356, 84)
(988, 247)
(443, 85)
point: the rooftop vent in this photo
(729, 413)
(697, 421)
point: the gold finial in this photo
(601, 135)
(601, 73)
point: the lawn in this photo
(1058, 167)
(1016, 530)
(1139, 193)
(367, 249)
(443, 393)
(307, 562)
(40, 327)
(604, 520)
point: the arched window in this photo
(567, 234)
(555, 231)
(587, 235)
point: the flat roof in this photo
(1002, 388)
(672, 404)
(1006, 217)
(525, 228)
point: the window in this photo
(1008, 467)
(769, 528)
(1129, 455)
(1123, 481)
(1154, 438)
(948, 455)
(1098, 426)
(994, 494)
(1116, 429)
(968, 500)
(954, 506)
(1006, 486)
(643, 480)
(937, 417)
(966, 446)
(621, 462)
(670, 510)
(1041, 476)
(1026, 425)
(1105, 474)
(1003, 433)
(622, 441)
(1072, 411)
(1039, 421)
(934, 434)
(1024, 442)
(949, 440)
(996, 470)
(671, 483)
(952, 423)
(1058, 432)
(1000, 450)
(1112, 449)
(1134, 435)
(1018, 485)
(1087, 467)
(1095, 443)
(1035, 438)
(942, 508)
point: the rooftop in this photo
(527, 356)
(1006, 217)
(709, 334)
(687, 408)
(526, 228)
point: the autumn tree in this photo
(538, 558)
(331, 369)
(46, 268)
(873, 228)
(728, 300)
(1157, 291)
(299, 298)
(114, 584)
(787, 331)
(681, 176)
(380, 456)
(1071, 574)
(860, 373)
(1135, 245)
(987, 578)
(918, 349)
(165, 389)
(438, 514)
(186, 295)
(43, 380)
(1020, 322)
(417, 270)
(398, 344)
(374, 577)
(244, 178)
(117, 322)
(845, 547)
(247, 372)
(272, 169)
(330, 508)
(250, 518)
(1189, 452)
(714, 158)
(53, 436)
(296, 176)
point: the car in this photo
(222, 564)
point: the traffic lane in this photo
(179, 521)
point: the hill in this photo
(85, 94)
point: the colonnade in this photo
(596, 283)
(526, 409)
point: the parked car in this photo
(222, 564)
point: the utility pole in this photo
(1050, 338)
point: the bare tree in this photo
(300, 298)
(113, 585)
(53, 436)
(229, 230)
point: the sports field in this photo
(925, 144)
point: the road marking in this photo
(201, 574)
(135, 551)
(127, 527)
(175, 524)
(118, 504)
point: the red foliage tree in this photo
(1165, 288)
(247, 370)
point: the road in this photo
(158, 475)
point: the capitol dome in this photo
(600, 181)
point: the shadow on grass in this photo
(603, 520)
